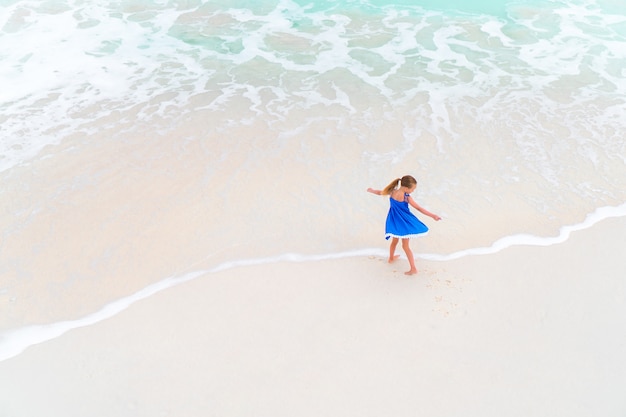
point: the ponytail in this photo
(406, 181)
(392, 186)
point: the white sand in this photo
(529, 331)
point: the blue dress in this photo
(401, 223)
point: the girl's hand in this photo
(437, 218)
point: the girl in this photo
(401, 223)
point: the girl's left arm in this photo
(422, 209)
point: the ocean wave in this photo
(71, 67)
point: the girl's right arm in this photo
(373, 191)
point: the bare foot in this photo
(390, 260)
(411, 272)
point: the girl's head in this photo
(407, 181)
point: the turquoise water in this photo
(494, 8)
(490, 7)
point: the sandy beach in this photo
(185, 229)
(528, 331)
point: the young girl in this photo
(401, 223)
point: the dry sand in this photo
(529, 331)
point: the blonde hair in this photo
(406, 181)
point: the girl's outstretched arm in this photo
(422, 209)
(373, 191)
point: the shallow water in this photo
(145, 140)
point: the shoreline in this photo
(14, 341)
(530, 330)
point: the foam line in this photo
(600, 214)
(14, 342)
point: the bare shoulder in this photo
(397, 195)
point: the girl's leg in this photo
(392, 249)
(409, 255)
